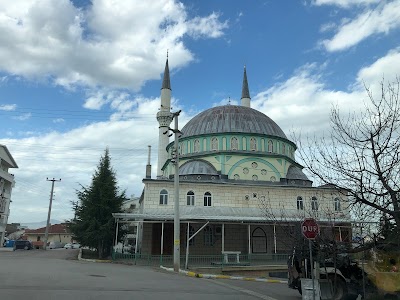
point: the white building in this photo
(238, 178)
(7, 182)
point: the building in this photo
(57, 233)
(240, 186)
(7, 183)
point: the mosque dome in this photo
(232, 119)
(197, 167)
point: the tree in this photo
(94, 225)
(361, 156)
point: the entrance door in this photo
(258, 241)
(168, 239)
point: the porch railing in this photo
(201, 260)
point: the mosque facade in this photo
(240, 186)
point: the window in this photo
(196, 147)
(234, 143)
(300, 204)
(253, 144)
(314, 203)
(283, 149)
(190, 198)
(337, 204)
(163, 197)
(214, 144)
(270, 146)
(208, 236)
(207, 199)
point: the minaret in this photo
(164, 118)
(245, 91)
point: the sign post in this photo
(310, 230)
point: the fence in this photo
(201, 260)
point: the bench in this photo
(227, 253)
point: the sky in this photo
(77, 76)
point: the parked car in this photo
(55, 245)
(22, 244)
(76, 246)
(68, 246)
(72, 246)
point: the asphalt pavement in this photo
(57, 274)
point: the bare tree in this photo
(361, 156)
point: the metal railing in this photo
(201, 260)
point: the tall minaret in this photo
(245, 90)
(164, 118)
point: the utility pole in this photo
(175, 161)
(46, 235)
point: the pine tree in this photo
(94, 225)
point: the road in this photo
(57, 274)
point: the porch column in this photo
(223, 237)
(187, 245)
(137, 237)
(248, 230)
(274, 239)
(340, 234)
(116, 234)
(162, 238)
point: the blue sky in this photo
(78, 76)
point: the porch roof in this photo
(227, 214)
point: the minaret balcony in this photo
(164, 118)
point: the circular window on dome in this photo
(254, 165)
(184, 177)
(254, 177)
(198, 177)
(254, 195)
(273, 178)
(263, 172)
(212, 177)
(245, 171)
(262, 198)
(247, 197)
(236, 176)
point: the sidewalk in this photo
(6, 249)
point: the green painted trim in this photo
(239, 134)
(244, 160)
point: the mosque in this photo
(240, 187)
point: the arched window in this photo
(337, 204)
(234, 143)
(196, 146)
(283, 149)
(207, 199)
(190, 198)
(300, 204)
(208, 236)
(214, 144)
(253, 144)
(270, 146)
(314, 203)
(163, 197)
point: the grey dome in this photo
(296, 173)
(231, 119)
(197, 167)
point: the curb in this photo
(213, 276)
(92, 260)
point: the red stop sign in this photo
(310, 228)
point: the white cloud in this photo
(119, 44)
(344, 3)
(23, 117)
(8, 107)
(302, 103)
(59, 120)
(381, 20)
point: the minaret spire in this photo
(166, 83)
(164, 118)
(245, 100)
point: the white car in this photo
(72, 246)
